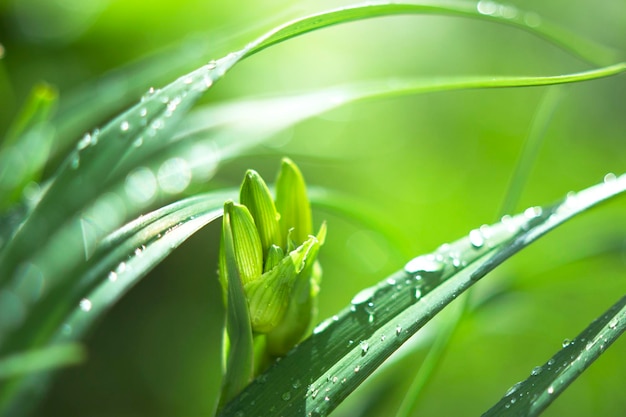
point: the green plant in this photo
(75, 241)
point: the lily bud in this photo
(275, 256)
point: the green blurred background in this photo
(429, 168)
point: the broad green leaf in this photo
(344, 350)
(546, 382)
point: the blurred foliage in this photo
(430, 167)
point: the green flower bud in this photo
(273, 256)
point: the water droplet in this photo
(286, 396)
(357, 369)
(296, 384)
(327, 398)
(188, 80)
(124, 126)
(364, 296)
(143, 112)
(424, 264)
(532, 19)
(84, 142)
(85, 304)
(536, 370)
(75, 163)
(476, 238)
(613, 323)
(112, 276)
(418, 293)
(550, 390)
(364, 346)
(610, 177)
(138, 142)
(566, 343)
(174, 175)
(211, 65)
(382, 338)
(533, 212)
(487, 7)
(507, 11)
(398, 329)
(514, 388)
(391, 281)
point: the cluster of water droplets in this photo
(89, 140)
(507, 11)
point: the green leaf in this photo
(546, 382)
(320, 372)
(240, 356)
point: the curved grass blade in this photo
(487, 10)
(229, 129)
(533, 395)
(80, 239)
(79, 177)
(324, 369)
(123, 258)
(73, 186)
(87, 171)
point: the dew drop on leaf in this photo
(424, 264)
(364, 346)
(476, 238)
(85, 304)
(124, 126)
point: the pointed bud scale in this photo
(292, 203)
(274, 255)
(255, 195)
(269, 297)
(247, 244)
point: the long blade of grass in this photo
(73, 185)
(122, 259)
(487, 10)
(80, 239)
(319, 373)
(546, 382)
